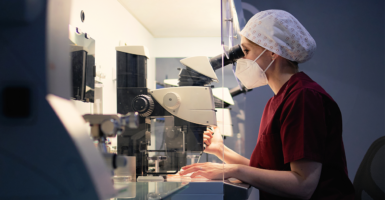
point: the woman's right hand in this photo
(213, 141)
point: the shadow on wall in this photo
(348, 64)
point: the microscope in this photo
(181, 114)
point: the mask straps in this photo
(260, 55)
(269, 65)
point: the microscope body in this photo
(184, 111)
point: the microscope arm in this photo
(110, 125)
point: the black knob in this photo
(143, 104)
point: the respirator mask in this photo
(250, 73)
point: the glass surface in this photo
(147, 190)
(82, 48)
(232, 23)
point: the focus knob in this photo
(143, 104)
(171, 100)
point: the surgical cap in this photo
(280, 32)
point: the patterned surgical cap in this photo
(280, 32)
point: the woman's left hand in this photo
(210, 170)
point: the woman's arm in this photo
(300, 182)
(231, 157)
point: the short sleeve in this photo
(303, 126)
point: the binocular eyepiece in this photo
(234, 53)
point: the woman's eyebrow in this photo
(243, 46)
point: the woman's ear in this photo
(273, 55)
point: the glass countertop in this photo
(146, 190)
(161, 190)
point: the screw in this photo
(170, 99)
(207, 121)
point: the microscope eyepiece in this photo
(234, 53)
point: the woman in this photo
(299, 152)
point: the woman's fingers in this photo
(207, 137)
(192, 169)
(207, 142)
(193, 165)
(207, 133)
(198, 173)
(196, 165)
(187, 167)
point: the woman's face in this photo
(252, 51)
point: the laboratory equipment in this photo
(199, 73)
(47, 152)
(183, 117)
(103, 126)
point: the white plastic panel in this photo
(200, 64)
(196, 104)
(172, 82)
(224, 95)
(224, 121)
(137, 50)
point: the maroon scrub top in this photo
(303, 122)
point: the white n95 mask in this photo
(250, 73)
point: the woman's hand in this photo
(209, 170)
(213, 141)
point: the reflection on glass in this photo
(82, 54)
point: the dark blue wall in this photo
(348, 64)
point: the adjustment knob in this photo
(143, 104)
(171, 100)
(110, 128)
